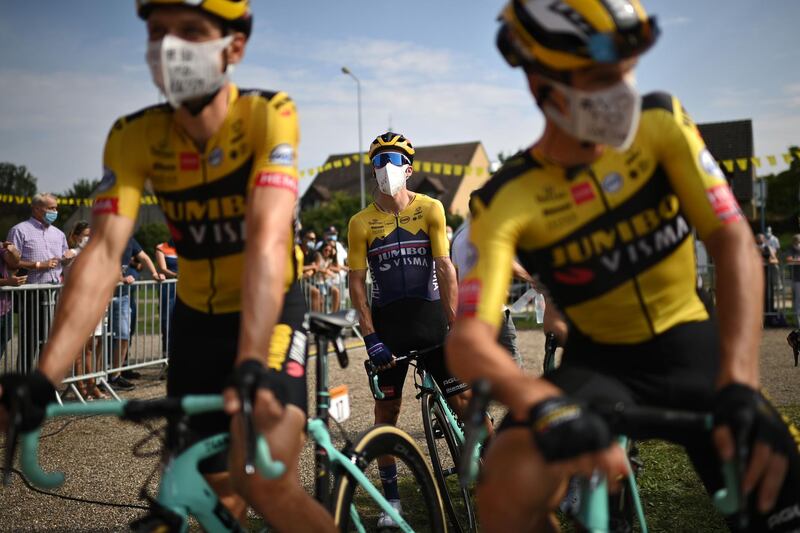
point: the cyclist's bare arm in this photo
(86, 293)
(358, 295)
(269, 214)
(740, 287)
(448, 286)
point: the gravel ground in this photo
(96, 452)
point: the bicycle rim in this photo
(422, 503)
(445, 455)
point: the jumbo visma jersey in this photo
(203, 193)
(399, 249)
(613, 240)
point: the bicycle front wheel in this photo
(445, 453)
(355, 510)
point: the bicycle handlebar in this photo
(372, 370)
(135, 410)
(630, 420)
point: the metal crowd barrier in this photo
(327, 295)
(26, 315)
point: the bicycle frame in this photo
(429, 384)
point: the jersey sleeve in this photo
(356, 244)
(493, 236)
(702, 189)
(276, 149)
(437, 230)
(124, 173)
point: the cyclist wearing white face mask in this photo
(401, 238)
(601, 208)
(217, 157)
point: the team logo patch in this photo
(612, 182)
(276, 179)
(469, 294)
(190, 161)
(283, 155)
(215, 157)
(108, 181)
(106, 206)
(709, 164)
(582, 192)
(724, 204)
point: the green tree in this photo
(336, 212)
(83, 188)
(149, 235)
(783, 199)
(17, 181)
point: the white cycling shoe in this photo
(385, 521)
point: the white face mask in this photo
(609, 116)
(184, 70)
(391, 178)
(83, 242)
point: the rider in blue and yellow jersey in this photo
(400, 239)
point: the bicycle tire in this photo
(388, 440)
(433, 417)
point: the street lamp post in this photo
(347, 71)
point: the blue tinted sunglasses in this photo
(398, 160)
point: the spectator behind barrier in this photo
(9, 260)
(793, 260)
(43, 249)
(313, 294)
(76, 240)
(167, 262)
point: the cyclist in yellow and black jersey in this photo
(401, 239)
(222, 162)
(602, 208)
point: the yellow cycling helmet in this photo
(391, 142)
(233, 14)
(555, 36)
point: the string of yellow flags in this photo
(444, 169)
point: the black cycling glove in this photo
(564, 429)
(251, 375)
(750, 417)
(31, 393)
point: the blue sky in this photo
(428, 67)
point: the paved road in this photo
(96, 453)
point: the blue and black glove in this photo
(564, 429)
(378, 353)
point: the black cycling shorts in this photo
(677, 370)
(414, 324)
(204, 349)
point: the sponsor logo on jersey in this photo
(709, 165)
(550, 211)
(106, 206)
(215, 157)
(724, 203)
(277, 179)
(405, 220)
(189, 161)
(784, 515)
(283, 155)
(550, 194)
(652, 231)
(295, 370)
(224, 207)
(469, 294)
(108, 181)
(582, 192)
(612, 183)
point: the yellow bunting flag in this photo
(756, 161)
(346, 161)
(468, 169)
(772, 160)
(337, 163)
(479, 171)
(728, 164)
(787, 157)
(426, 166)
(437, 168)
(458, 170)
(447, 169)
(742, 163)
